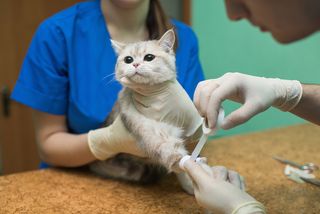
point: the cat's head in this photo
(148, 62)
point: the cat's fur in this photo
(127, 167)
(163, 143)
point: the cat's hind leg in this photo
(128, 168)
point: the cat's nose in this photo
(136, 64)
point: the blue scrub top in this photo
(69, 67)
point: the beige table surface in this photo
(78, 191)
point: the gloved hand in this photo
(109, 141)
(255, 93)
(166, 102)
(221, 191)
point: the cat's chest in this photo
(156, 107)
(170, 105)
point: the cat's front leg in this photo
(161, 142)
(170, 147)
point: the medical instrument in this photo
(206, 132)
(310, 167)
(302, 172)
(299, 172)
(313, 181)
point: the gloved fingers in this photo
(241, 115)
(234, 178)
(196, 173)
(220, 173)
(217, 97)
(206, 168)
(204, 96)
(196, 95)
(199, 88)
(202, 160)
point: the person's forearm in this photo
(65, 149)
(309, 106)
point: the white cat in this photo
(154, 107)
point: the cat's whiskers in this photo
(108, 75)
(113, 78)
(110, 81)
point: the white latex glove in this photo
(255, 93)
(167, 102)
(109, 141)
(221, 190)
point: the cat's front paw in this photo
(174, 158)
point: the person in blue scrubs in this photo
(67, 77)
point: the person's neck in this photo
(312, 10)
(126, 24)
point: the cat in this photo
(155, 109)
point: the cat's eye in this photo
(149, 57)
(128, 59)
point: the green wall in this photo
(237, 46)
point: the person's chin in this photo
(127, 4)
(289, 38)
(282, 40)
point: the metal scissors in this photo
(206, 132)
(310, 167)
(313, 181)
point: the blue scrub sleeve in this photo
(43, 80)
(195, 72)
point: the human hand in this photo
(111, 140)
(220, 190)
(167, 102)
(255, 93)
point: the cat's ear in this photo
(117, 46)
(167, 40)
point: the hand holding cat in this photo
(109, 141)
(221, 190)
(255, 93)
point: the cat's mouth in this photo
(135, 77)
(137, 73)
